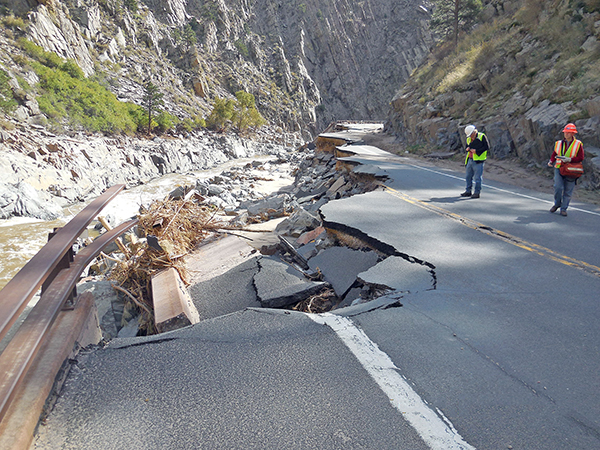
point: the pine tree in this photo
(152, 101)
(452, 16)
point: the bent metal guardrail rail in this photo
(23, 347)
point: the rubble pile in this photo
(310, 268)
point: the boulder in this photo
(276, 203)
(24, 200)
(296, 224)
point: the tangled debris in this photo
(170, 229)
(321, 302)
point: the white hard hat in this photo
(469, 130)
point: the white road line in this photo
(502, 190)
(435, 429)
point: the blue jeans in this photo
(563, 189)
(474, 171)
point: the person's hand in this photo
(550, 164)
(566, 159)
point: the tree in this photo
(222, 112)
(452, 16)
(189, 36)
(245, 113)
(152, 101)
(241, 112)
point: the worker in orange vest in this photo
(567, 150)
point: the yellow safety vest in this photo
(476, 157)
(571, 152)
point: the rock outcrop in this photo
(306, 64)
(521, 95)
(42, 172)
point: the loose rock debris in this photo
(172, 228)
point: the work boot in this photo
(554, 208)
(563, 212)
(465, 194)
(475, 195)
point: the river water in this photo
(22, 238)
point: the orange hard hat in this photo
(570, 128)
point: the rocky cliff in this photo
(307, 63)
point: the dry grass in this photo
(319, 303)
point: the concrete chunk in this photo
(173, 307)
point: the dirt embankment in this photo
(511, 171)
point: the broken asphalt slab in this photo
(279, 284)
(228, 292)
(341, 265)
(253, 379)
(400, 275)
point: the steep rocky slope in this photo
(525, 70)
(307, 63)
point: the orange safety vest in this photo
(570, 152)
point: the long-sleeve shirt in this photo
(479, 145)
(565, 145)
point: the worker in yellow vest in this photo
(568, 150)
(477, 148)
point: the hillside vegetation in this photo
(305, 63)
(545, 50)
(520, 74)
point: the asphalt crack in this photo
(382, 247)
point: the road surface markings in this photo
(434, 428)
(501, 190)
(529, 246)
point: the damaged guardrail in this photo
(51, 268)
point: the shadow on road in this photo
(536, 217)
(445, 199)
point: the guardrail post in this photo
(64, 263)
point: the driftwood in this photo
(179, 226)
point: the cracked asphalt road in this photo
(506, 348)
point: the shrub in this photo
(131, 5)
(187, 124)
(221, 113)
(242, 48)
(199, 122)
(7, 101)
(192, 123)
(165, 121)
(80, 102)
(72, 69)
(14, 23)
(48, 59)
